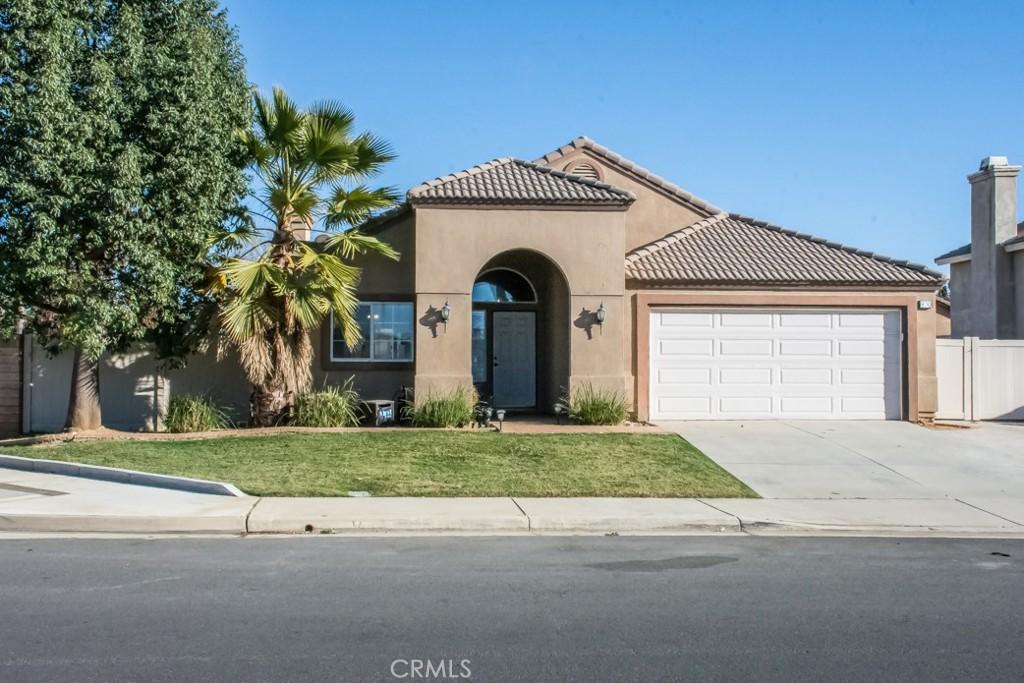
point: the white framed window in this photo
(387, 334)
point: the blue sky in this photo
(854, 121)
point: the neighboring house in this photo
(987, 275)
(581, 267)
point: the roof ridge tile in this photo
(508, 180)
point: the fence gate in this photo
(980, 379)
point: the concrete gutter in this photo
(119, 476)
(487, 515)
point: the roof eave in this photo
(770, 284)
(947, 260)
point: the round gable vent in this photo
(584, 169)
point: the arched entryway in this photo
(520, 347)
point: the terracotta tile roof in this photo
(583, 142)
(514, 181)
(734, 249)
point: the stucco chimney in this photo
(993, 221)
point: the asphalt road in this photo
(516, 609)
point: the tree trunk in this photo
(84, 403)
(269, 406)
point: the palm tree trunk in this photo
(84, 403)
(269, 405)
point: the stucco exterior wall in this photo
(653, 215)
(962, 301)
(1018, 274)
(920, 387)
(382, 280)
(943, 321)
(384, 276)
(454, 244)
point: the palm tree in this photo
(308, 168)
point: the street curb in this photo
(233, 524)
(120, 476)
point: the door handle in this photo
(495, 362)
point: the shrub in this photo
(329, 407)
(590, 406)
(452, 409)
(195, 413)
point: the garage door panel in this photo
(758, 320)
(694, 406)
(805, 347)
(688, 376)
(771, 363)
(870, 348)
(819, 405)
(745, 347)
(875, 376)
(687, 320)
(872, 320)
(747, 376)
(745, 405)
(812, 321)
(793, 376)
(687, 348)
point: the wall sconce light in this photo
(601, 314)
(446, 312)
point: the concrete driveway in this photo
(873, 460)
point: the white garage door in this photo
(766, 363)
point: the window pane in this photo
(392, 331)
(503, 287)
(362, 349)
(479, 347)
(387, 330)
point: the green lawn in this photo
(424, 464)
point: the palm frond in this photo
(372, 153)
(245, 317)
(352, 243)
(344, 305)
(351, 207)
(250, 278)
(307, 306)
(287, 123)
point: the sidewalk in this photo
(35, 502)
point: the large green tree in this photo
(309, 168)
(119, 157)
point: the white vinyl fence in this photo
(980, 379)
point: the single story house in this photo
(525, 278)
(528, 278)
(987, 275)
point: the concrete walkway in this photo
(34, 502)
(821, 477)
